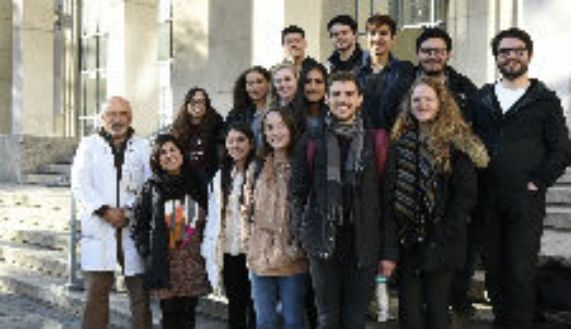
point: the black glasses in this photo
(505, 52)
(434, 51)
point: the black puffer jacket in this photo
(374, 239)
(149, 231)
(529, 143)
(455, 198)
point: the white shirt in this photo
(507, 97)
(232, 219)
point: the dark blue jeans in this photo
(342, 292)
(268, 291)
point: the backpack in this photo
(381, 144)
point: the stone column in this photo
(5, 67)
(32, 68)
(213, 44)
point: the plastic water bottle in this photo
(382, 299)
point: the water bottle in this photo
(382, 299)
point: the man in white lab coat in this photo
(108, 169)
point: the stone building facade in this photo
(59, 59)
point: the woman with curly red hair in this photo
(430, 189)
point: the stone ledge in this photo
(556, 245)
(50, 262)
(52, 291)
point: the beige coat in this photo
(271, 247)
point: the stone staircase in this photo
(51, 174)
(34, 251)
(556, 239)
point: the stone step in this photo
(556, 245)
(566, 178)
(26, 218)
(56, 168)
(52, 291)
(558, 217)
(559, 194)
(39, 238)
(23, 195)
(32, 258)
(47, 179)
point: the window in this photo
(407, 13)
(93, 79)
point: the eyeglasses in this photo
(434, 51)
(197, 102)
(505, 52)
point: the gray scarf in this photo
(353, 164)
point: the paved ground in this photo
(19, 312)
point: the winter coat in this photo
(272, 250)
(529, 143)
(94, 184)
(352, 64)
(374, 240)
(383, 92)
(456, 192)
(204, 145)
(151, 234)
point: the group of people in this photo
(323, 176)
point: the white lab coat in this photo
(211, 248)
(94, 184)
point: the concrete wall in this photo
(5, 66)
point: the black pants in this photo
(179, 312)
(239, 292)
(423, 297)
(462, 280)
(511, 246)
(342, 292)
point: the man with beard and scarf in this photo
(335, 194)
(108, 170)
(433, 50)
(522, 124)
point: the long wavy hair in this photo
(181, 126)
(447, 129)
(241, 98)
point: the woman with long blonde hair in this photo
(430, 189)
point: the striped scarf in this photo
(415, 188)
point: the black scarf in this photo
(415, 188)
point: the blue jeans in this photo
(267, 291)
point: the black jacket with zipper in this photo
(374, 240)
(528, 143)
